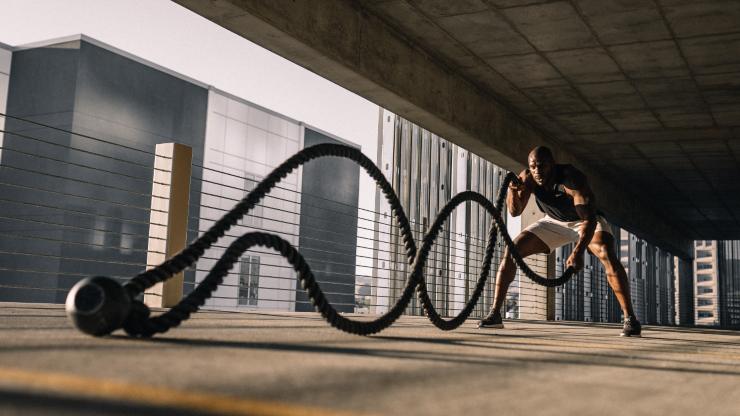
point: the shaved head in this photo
(542, 153)
(541, 164)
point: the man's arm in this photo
(583, 199)
(518, 195)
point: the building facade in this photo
(426, 171)
(706, 283)
(243, 143)
(652, 279)
(76, 193)
(328, 218)
(685, 288)
(587, 296)
(728, 265)
(6, 56)
(717, 283)
(76, 205)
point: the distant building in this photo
(728, 265)
(426, 171)
(328, 218)
(706, 282)
(652, 280)
(717, 283)
(587, 296)
(5, 57)
(684, 296)
(74, 206)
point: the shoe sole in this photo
(494, 326)
(630, 336)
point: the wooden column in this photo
(168, 220)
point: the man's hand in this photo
(518, 195)
(516, 186)
(520, 184)
(575, 261)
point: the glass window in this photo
(704, 277)
(702, 290)
(706, 314)
(703, 266)
(254, 217)
(705, 302)
(703, 254)
(249, 280)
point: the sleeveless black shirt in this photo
(553, 200)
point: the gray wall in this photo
(328, 232)
(87, 211)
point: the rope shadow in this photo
(435, 357)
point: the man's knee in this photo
(507, 262)
(601, 251)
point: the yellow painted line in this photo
(107, 389)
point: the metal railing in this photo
(75, 208)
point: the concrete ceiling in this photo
(643, 95)
(646, 90)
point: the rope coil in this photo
(139, 323)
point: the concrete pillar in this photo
(535, 301)
(684, 275)
(168, 220)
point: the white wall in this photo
(243, 140)
(5, 57)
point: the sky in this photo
(178, 39)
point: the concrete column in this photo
(168, 220)
(535, 301)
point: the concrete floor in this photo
(294, 364)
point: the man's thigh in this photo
(552, 233)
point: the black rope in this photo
(139, 323)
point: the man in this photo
(563, 194)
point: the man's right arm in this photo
(518, 195)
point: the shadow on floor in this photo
(28, 403)
(585, 358)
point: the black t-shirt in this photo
(553, 200)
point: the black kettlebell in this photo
(98, 305)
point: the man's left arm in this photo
(583, 199)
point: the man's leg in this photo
(603, 247)
(526, 245)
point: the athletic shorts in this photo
(555, 233)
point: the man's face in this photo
(541, 169)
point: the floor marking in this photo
(108, 389)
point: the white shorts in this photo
(555, 233)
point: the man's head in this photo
(541, 164)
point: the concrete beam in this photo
(344, 43)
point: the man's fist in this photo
(575, 261)
(520, 184)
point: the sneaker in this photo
(493, 320)
(632, 327)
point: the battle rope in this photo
(99, 305)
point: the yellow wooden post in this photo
(168, 220)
